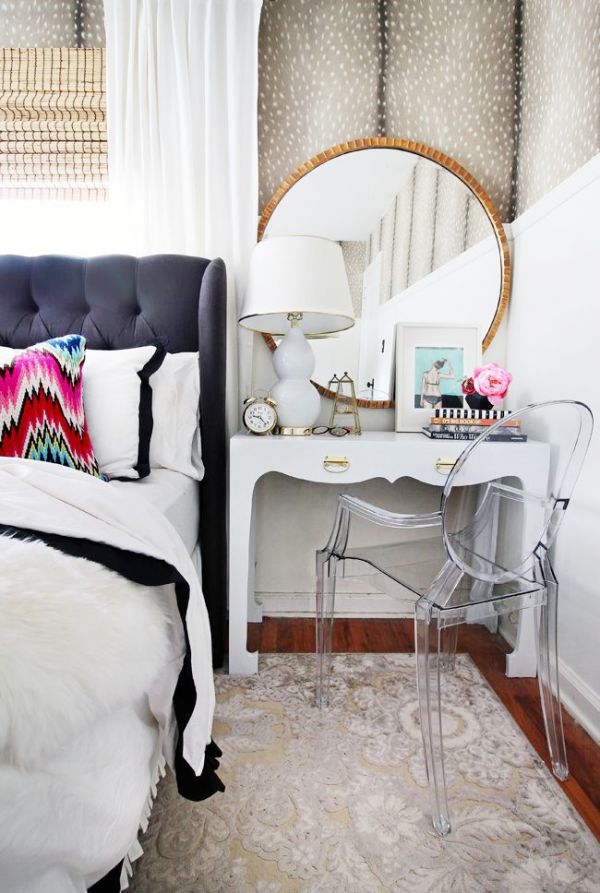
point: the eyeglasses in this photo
(337, 431)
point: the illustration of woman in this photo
(430, 383)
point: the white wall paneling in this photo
(552, 350)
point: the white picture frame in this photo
(420, 348)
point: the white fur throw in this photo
(77, 641)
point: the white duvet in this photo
(88, 665)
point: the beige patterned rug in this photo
(336, 800)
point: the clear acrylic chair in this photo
(483, 554)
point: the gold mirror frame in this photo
(426, 152)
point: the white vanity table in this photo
(326, 459)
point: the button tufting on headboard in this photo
(116, 301)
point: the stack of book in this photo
(468, 424)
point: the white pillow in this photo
(175, 442)
(117, 399)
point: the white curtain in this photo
(182, 95)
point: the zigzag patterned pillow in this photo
(41, 405)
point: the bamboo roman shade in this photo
(53, 123)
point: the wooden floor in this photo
(520, 696)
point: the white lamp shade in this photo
(297, 274)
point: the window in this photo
(53, 123)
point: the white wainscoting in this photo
(552, 350)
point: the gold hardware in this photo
(444, 466)
(336, 463)
(297, 432)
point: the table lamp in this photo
(297, 287)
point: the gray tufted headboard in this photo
(119, 301)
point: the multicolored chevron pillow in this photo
(41, 405)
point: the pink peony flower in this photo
(492, 381)
(467, 386)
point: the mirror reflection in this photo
(418, 244)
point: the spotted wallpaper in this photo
(488, 83)
(52, 23)
(318, 80)
(450, 83)
(559, 95)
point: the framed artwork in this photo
(431, 362)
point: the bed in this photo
(113, 582)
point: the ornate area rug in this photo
(325, 801)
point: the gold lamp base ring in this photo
(296, 432)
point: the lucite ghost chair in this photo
(486, 552)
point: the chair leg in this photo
(548, 676)
(325, 612)
(427, 642)
(449, 647)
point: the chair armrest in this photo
(386, 518)
(517, 495)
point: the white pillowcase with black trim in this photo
(175, 442)
(114, 407)
(118, 403)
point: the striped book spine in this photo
(492, 414)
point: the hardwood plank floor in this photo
(520, 696)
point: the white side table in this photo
(351, 459)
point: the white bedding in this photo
(176, 495)
(88, 664)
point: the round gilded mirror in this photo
(421, 240)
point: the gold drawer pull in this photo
(335, 463)
(444, 466)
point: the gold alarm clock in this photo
(260, 413)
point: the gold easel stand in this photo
(344, 402)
